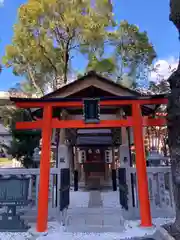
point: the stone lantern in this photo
(155, 158)
(37, 154)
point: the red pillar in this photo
(42, 217)
(143, 191)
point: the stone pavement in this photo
(95, 217)
(99, 215)
(93, 212)
(95, 199)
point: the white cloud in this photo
(164, 68)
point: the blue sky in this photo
(150, 15)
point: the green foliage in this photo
(48, 33)
(131, 57)
(23, 145)
(133, 51)
(105, 66)
(23, 141)
(24, 88)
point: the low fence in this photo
(33, 174)
(160, 191)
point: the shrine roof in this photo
(92, 79)
(149, 97)
(91, 85)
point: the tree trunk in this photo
(33, 81)
(174, 138)
(174, 119)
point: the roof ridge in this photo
(93, 73)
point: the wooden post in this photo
(106, 174)
(143, 192)
(76, 173)
(124, 137)
(42, 217)
(113, 159)
(113, 170)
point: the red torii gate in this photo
(137, 121)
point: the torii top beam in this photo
(78, 102)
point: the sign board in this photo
(124, 152)
(13, 193)
(63, 156)
(91, 110)
(62, 160)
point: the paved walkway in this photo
(95, 216)
(95, 200)
(95, 212)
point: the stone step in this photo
(94, 220)
(97, 211)
(94, 229)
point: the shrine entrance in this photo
(94, 168)
(92, 120)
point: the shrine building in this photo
(94, 153)
(92, 124)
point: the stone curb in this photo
(162, 234)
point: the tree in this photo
(104, 66)
(158, 88)
(133, 51)
(173, 122)
(23, 141)
(131, 57)
(24, 89)
(48, 34)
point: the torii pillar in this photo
(143, 191)
(42, 217)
